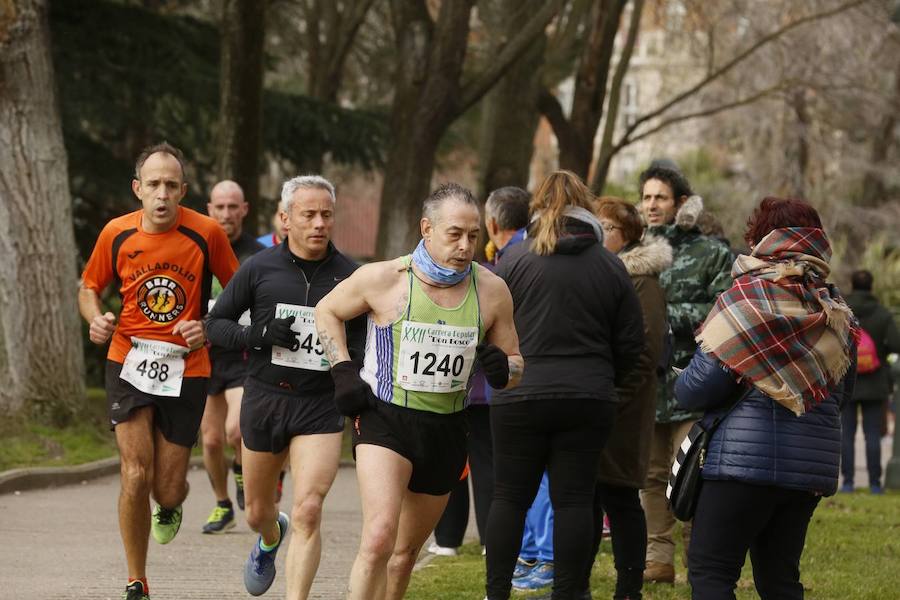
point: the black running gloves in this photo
(494, 365)
(351, 393)
(276, 332)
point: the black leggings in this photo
(733, 517)
(565, 437)
(628, 529)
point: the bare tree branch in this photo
(704, 113)
(478, 87)
(725, 68)
(615, 94)
(347, 34)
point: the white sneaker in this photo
(441, 550)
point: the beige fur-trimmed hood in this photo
(651, 257)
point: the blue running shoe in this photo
(259, 570)
(541, 576)
(523, 567)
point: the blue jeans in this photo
(872, 419)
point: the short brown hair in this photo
(164, 147)
(624, 214)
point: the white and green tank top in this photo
(424, 359)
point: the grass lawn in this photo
(852, 551)
(28, 444)
(37, 445)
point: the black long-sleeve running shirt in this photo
(273, 276)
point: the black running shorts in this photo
(435, 444)
(270, 416)
(177, 418)
(227, 373)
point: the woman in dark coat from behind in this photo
(788, 337)
(580, 330)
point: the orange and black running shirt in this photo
(163, 278)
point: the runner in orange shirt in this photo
(161, 259)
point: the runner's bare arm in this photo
(102, 325)
(501, 327)
(346, 301)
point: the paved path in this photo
(64, 543)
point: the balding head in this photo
(229, 188)
(228, 207)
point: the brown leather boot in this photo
(657, 572)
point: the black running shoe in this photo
(135, 591)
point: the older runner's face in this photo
(309, 223)
(453, 236)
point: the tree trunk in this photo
(429, 68)
(874, 189)
(797, 178)
(429, 96)
(604, 158)
(576, 149)
(510, 110)
(41, 357)
(240, 100)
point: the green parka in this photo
(700, 271)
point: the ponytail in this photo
(558, 191)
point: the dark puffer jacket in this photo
(760, 441)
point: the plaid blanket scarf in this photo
(780, 326)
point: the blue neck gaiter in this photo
(434, 271)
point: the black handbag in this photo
(685, 480)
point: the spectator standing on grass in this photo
(785, 336)
(874, 385)
(699, 272)
(623, 464)
(581, 331)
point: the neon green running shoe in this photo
(220, 520)
(164, 523)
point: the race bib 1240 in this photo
(435, 358)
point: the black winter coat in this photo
(578, 319)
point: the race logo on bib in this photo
(161, 299)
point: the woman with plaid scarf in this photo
(786, 335)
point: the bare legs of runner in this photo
(314, 463)
(150, 465)
(396, 523)
(221, 425)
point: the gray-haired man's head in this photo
(303, 182)
(505, 212)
